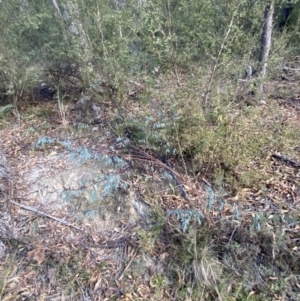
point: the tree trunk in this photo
(266, 37)
(54, 3)
(70, 15)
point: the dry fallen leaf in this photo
(37, 254)
(163, 256)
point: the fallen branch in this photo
(286, 159)
(286, 68)
(127, 267)
(141, 155)
(45, 214)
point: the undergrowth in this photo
(176, 92)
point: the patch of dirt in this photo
(56, 236)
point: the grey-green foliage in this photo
(80, 155)
(109, 183)
(215, 199)
(119, 40)
(151, 32)
(44, 141)
(185, 216)
(32, 41)
(5, 109)
(112, 183)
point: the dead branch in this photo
(141, 155)
(286, 68)
(286, 159)
(45, 214)
(127, 267)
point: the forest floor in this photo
(250, 251)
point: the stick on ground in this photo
(45, 214)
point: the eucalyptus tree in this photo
(266, 36)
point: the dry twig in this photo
(45, 214)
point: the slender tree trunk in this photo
(266, 37)
(70, 15)
(54, 3)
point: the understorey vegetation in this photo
(188, 111)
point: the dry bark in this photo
(266, 37)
